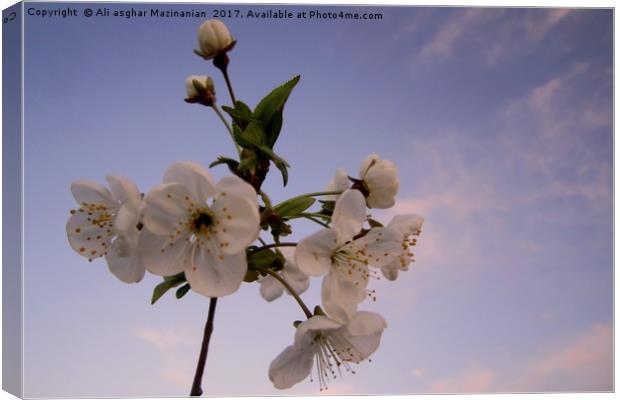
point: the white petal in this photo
(406, 224)
(291, 366)
(382, 182)
(87, 239)
(299, 281)
(362, 336)
(313, 254)
(195, 177)
(306, 331)
(234, 184)
(390, 271)
(91, 192)
(123, 190)
(167, 208)
(349, 215)
(127, 268)
(382, 246)
(339, 183)
(127, 217)
(237, 222)
(160, 257)
(340, 296)
(270, 288)
(215, 275)
(369, 161)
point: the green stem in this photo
(313, 194)
(323, 224)
(227, 125)
(290, 290)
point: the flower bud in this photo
(213, 39)
(200, 89)
(380, 179)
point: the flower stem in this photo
(227, 125)
(202, 358)
(290, 290)
(285, 244)
(313, 194)
(221, 62)
(313, 219)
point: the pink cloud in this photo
(584, 363)
(474, 379)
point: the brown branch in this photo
(204, 349)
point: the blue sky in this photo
(500, 121)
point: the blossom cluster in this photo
(203, 235)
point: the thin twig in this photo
(204, 349)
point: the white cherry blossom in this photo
(328, 345)
(206, 240)
(271, 289)
(345, 260)
(380, 179)
(408, 226)
(106, 224)
(214, 38)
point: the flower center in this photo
(203, 220)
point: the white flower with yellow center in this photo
(206, 240)
(329, 346)
(380, 180)
(408, 226)
(344, 259)
(271, 289)
(107, 224)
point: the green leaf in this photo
(233, 165)
(253, 134)
(262, 259)
(168, 283)
(283, 171)
(182, 291)
(273, 128)
(273, 104)
(241, 113)
(294, 207)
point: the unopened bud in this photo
(200, 89)
(213, 39)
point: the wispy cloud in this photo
(583, 363)
(474, 379)
(515, 32)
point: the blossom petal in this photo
(270, 288)
(167, 208)
(195, 177)
(369, 161)
(162, 256)
(382, 246)
(349, 215)
(306, 331)
(406, 224)
(127, 217)
(129, 268)
(339, 183)
(91, 192)
(291, 366)
(313, 254)
(383, 184)
(390, 271)
(123, 190)
(237, 222)
(85, 237)
(361, 336)
(215, 275)
(236, 185)
(340, 296)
